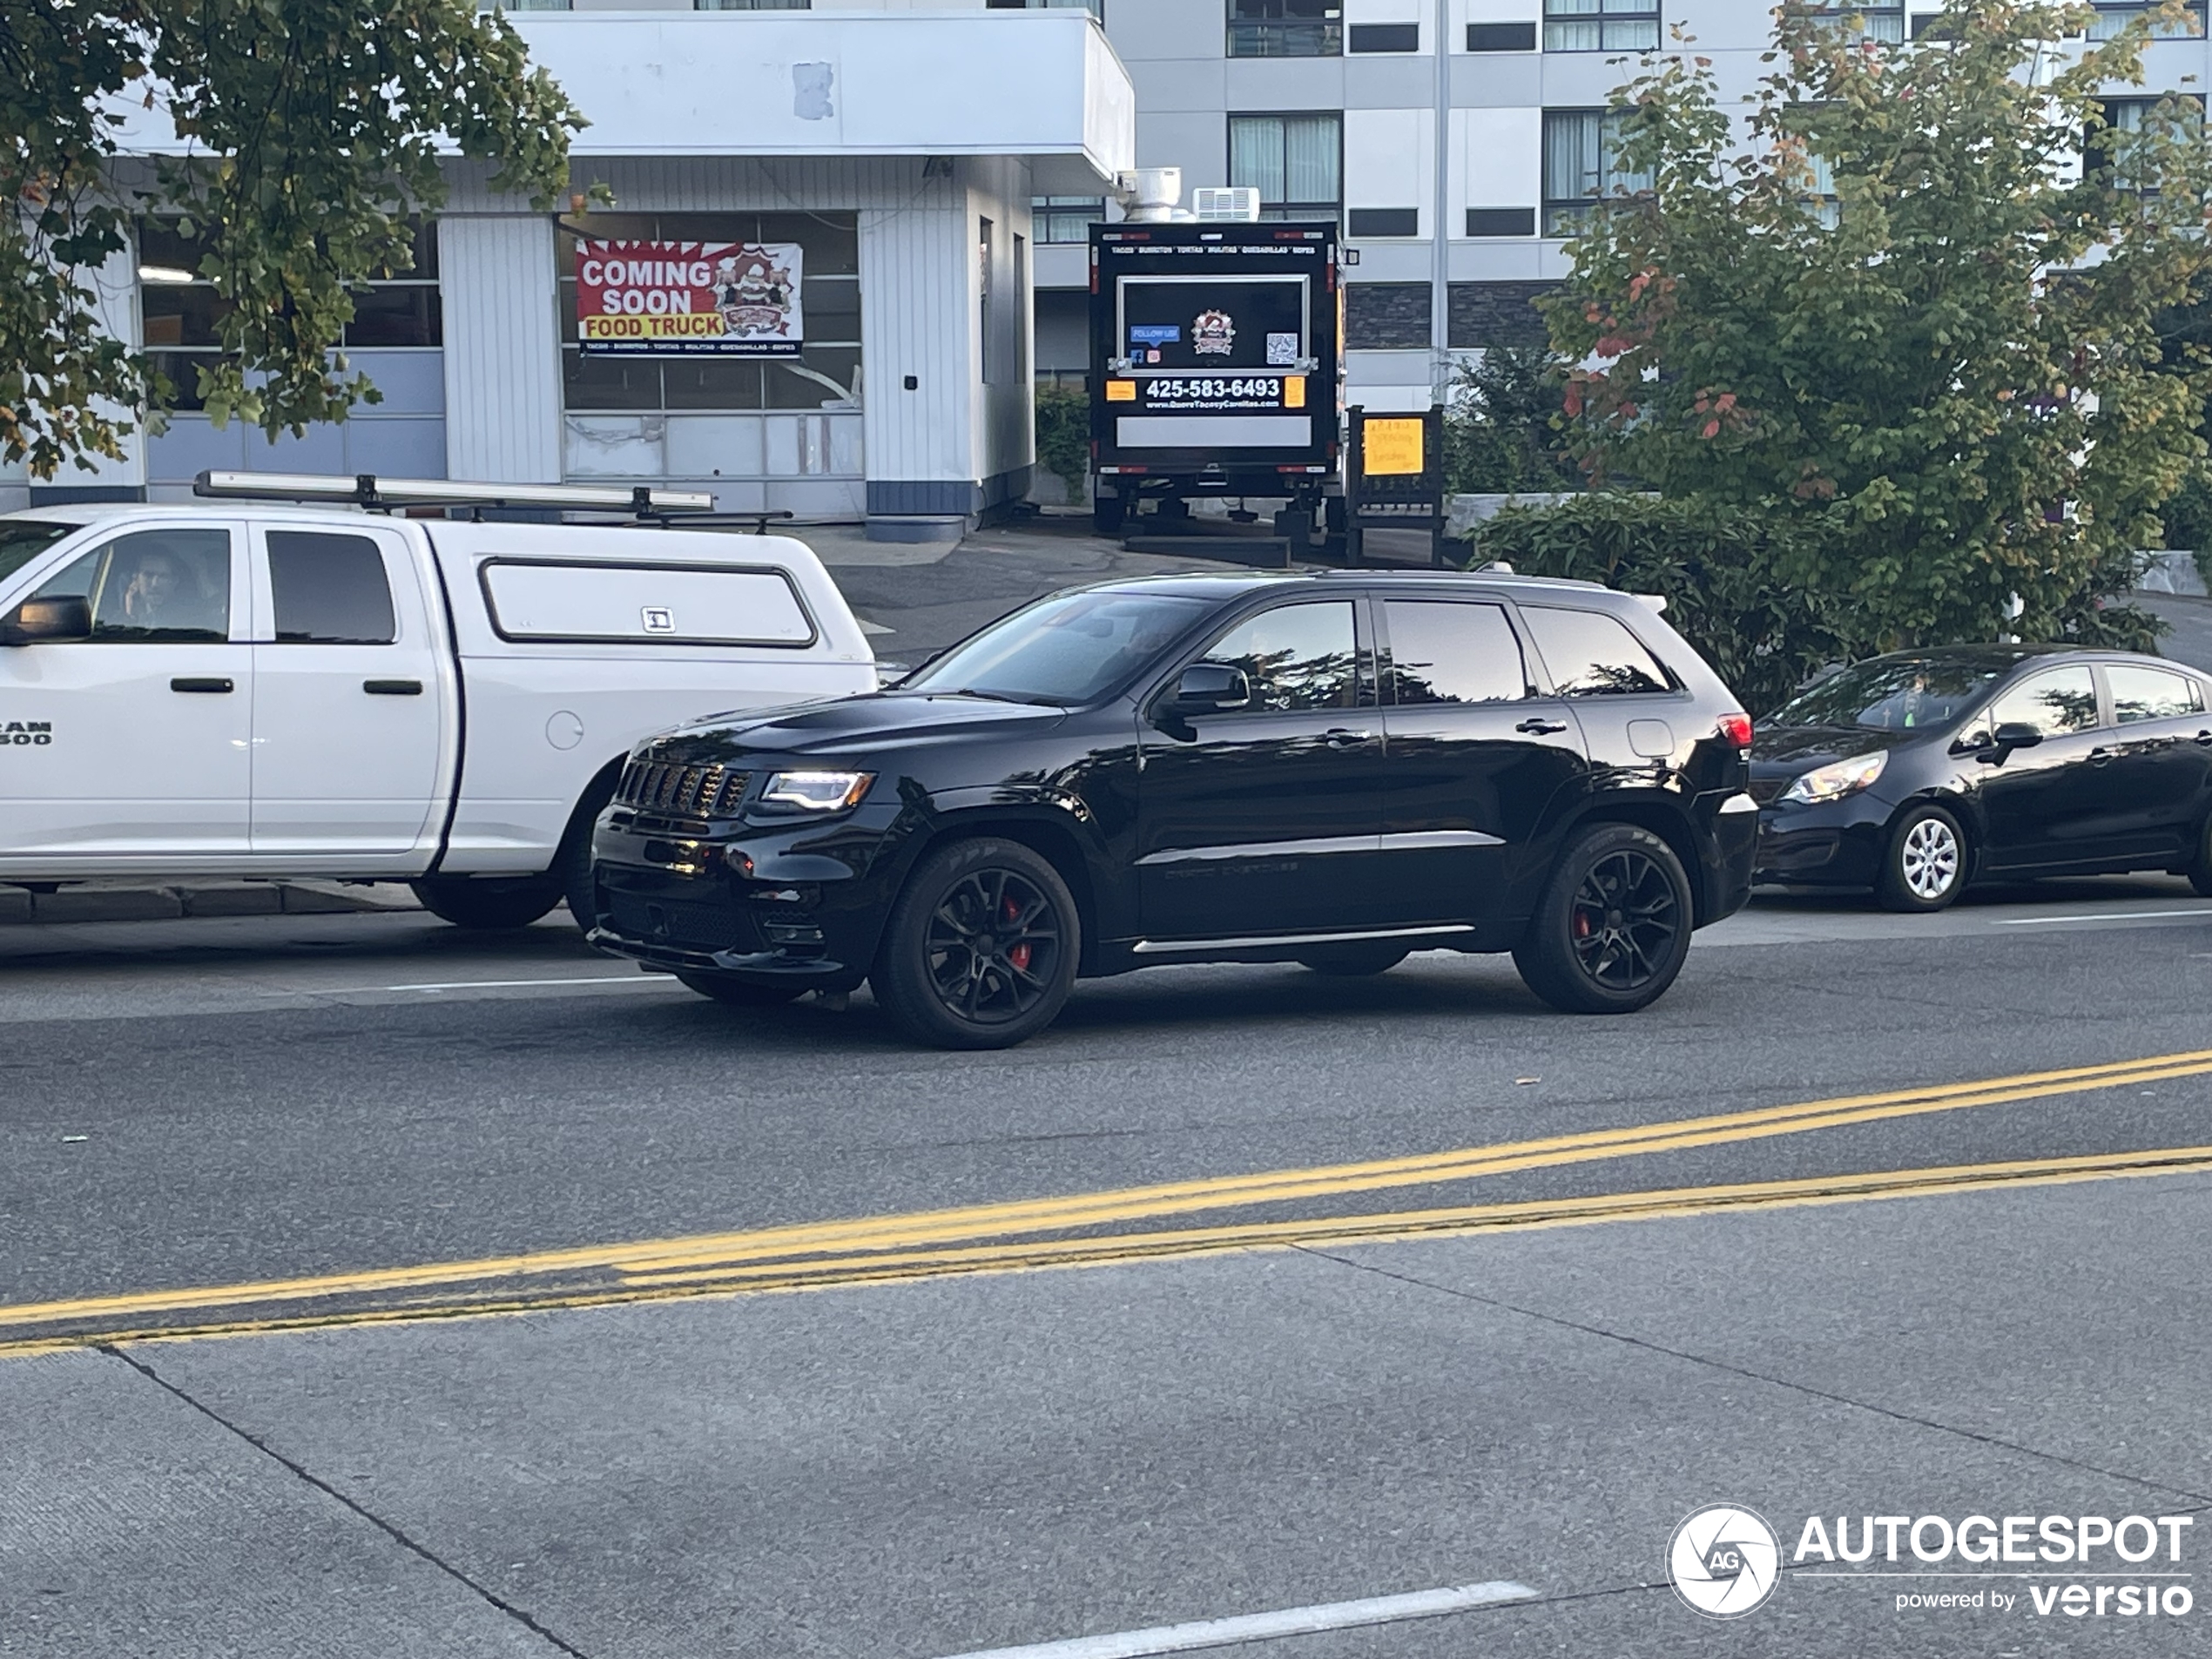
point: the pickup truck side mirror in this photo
(34, 620)
(1210, 688)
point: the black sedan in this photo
(1918, 773)
(1332, 770)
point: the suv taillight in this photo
(1737, 728)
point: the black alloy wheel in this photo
(1612, 928)
(981, 951)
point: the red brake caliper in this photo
(1018, 954)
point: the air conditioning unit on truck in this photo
(258, 686)
(1213, 369)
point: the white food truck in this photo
(256, 687)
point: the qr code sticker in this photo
(1282, 350)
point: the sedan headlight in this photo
(1837, 778)
(816, 791)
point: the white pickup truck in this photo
(253, 690)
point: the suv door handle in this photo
(393, 688)
(1539, 728)
(1340, 737)
(189, 683)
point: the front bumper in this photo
(797, 903)
(1830, 844)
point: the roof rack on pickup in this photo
(387, 494)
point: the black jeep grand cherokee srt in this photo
(1328, 769)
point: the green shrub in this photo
(1721, 570)
(1063, 436)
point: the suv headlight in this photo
(1837, 778)
(816, 791)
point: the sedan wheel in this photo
(1925, 865)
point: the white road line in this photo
(1261, 1627)
(509, 984)
(2202, 912)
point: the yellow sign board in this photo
(1121, 391)
(1394, 447)
(1294, 392)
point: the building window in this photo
(181, 312)
(1601, 25)
(1582, 166)
(1285, 28)
(752, 6)
(1876, 20)
(826, 374)
(2112, 17)
(1296, 162)
(1065, 219)
(1501, 221)
(1386, 37)
(2108, 151)
(1502, 36)
(1096, 8)
(1385, 222)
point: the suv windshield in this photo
(23, 539)
(1067, 651)
(1891, 694)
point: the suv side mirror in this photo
(1210, 688)
(34, 620)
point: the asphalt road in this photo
(1240, 1290)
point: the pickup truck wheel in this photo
(740, 993)
(572, 860)
(486, 905)
(982, 948)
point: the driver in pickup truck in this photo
(165, 594)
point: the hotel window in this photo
(1285, 29)
(825, 374)
(1582, 166)
(1601, 25)
(1065, 219)
(1296, 162)
(1878, 20)
(2112, 18)
(181, 312)
(2107, 152)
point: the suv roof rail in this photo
(367, 490)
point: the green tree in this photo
(314, 128)
(1503, 429)
(1903, 308)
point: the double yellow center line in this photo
(1019, 1233)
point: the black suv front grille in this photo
(687, 925)
(682, 791)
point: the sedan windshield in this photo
(1067, 651)
(1891, 694)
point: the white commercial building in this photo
(870, 173)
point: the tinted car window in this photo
(1297, 656)
(329, 589)
(1592, 655)
(1890, 694)
(154, 586)
(1453, 653)
(2055, 703)
(2151, 694)
(1069, 650)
